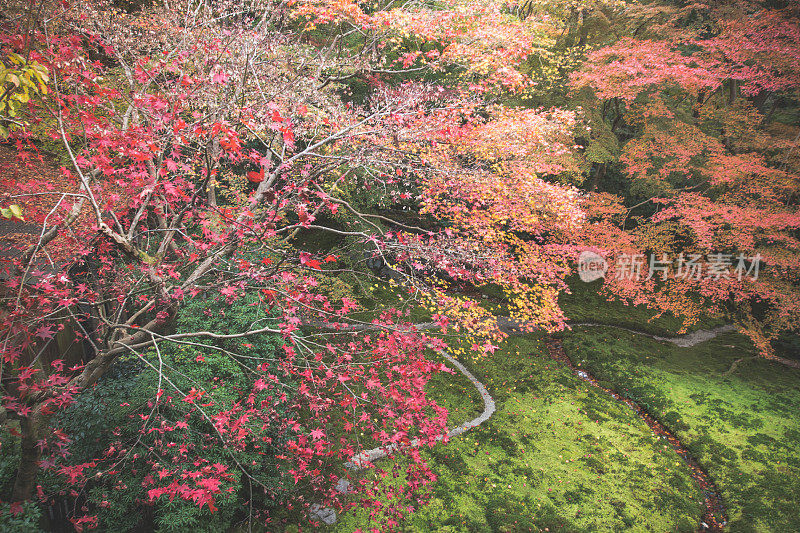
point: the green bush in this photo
(112, 413)
(24, 519)
(9, 461)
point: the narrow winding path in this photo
(367, 457)
(363, 459)
(684, 341)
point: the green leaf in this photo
(27, 81)
(16, 211)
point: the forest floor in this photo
(560, 455)
(557, 454)
(742, 427)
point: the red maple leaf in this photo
(305, 259)
(256, 177)
(44, 333)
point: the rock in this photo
(326, 515)
(342, 486)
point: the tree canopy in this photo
(171, 168)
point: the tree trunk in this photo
(572, 28)
(701, 98)
(598, 176)
(583, 30)
(30, 453)
(768, 116)
(760, 101)
(732, 91)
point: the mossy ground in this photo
(743, 428)
(563, 456)
(381, 296)
(557, 454)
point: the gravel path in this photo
(684, 341)
(367, 457)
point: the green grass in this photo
(457, 394)
(557, 454)
(744, 428)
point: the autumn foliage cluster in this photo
(167, 170)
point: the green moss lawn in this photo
(557, 455)
(743, 428)
(560, 455)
